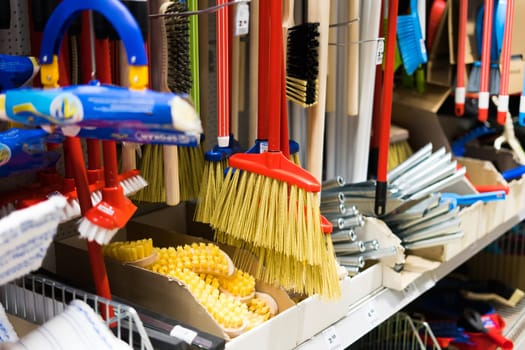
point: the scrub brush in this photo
(410, 40)
(241, 285)
(138, 252)
(303, 61)
(197, 257)
(228, 312)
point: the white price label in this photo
(183, 333)
(410, 291)
(380, 51)
(371, 314)
(242, 19)
(331, 338)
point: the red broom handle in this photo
(285, 138)
(503, 100)
(483, 100)
(223, 86)
(459, 95)
(274, 72)
(262, 88)
(109, 148)
(386, 109)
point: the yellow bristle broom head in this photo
(191, 170)
(152, 170)
(212, 181)
(291, 247)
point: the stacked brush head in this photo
(227, 294)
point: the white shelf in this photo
(374, 309)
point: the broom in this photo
(503, 99)
(277, 200)
(261, 142)
(216, 159)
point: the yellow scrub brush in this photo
(139, 253)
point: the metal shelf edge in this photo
(368, 313)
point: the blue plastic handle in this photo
(514, 173)
(458, 146)
(497, 29)
(114, 11)
(468, 199)
(499, 23)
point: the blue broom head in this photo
(410, 40)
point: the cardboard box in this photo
(298, 323)
(442, 57)
(151, 290)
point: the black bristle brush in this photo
(302, 65)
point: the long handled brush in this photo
(459, 92)
(484, 93)
(97, 225)
(276, 199)
(191, 159)
(503, 99)
(216, 159)
(386, 110)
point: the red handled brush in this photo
(386, 110)
(459, 92)
(484, 94)
(503, 99)
(276, 199)
(216, 160)
(113, 211)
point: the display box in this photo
(300, 322)
(472, 227)
(159, 293)
(308, 317)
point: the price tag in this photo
(371, 314)
(263, 146)
(410, 291)
(331, 338)
(242, 19)
(183, 333)
(380, 51)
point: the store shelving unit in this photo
(376, 308)
(364, 313)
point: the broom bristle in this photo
(279, 223)
(212, 180)
(191, 171)
(152, 171)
